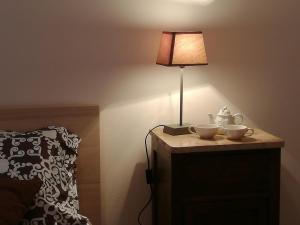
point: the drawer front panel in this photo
(222, 173)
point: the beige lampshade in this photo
(181, 49)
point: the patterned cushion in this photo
(50, 155)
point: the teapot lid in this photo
(224, 111)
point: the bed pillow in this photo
(16, 196)
(48, 154)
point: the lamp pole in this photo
(181, 94)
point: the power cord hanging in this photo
(149, 176)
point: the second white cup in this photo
(236, 132)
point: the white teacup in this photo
(237, 131)
(206, 131)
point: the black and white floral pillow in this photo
(50, 155)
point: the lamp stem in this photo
(181, 94)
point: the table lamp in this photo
(181, 49)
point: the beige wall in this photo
(103, 52)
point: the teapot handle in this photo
(238, 118)
(191, 131)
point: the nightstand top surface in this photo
(192, 143)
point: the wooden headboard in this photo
(83, 121)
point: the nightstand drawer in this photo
(223, 173)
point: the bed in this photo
(82, 120)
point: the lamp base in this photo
(176, 129)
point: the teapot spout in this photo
(211, 118)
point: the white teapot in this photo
(224, 117)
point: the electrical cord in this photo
(149, 176)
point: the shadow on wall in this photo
(133, 200)
(290, 197)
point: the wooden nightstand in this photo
(216, 182)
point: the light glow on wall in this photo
(201, 2)
(158, 13)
